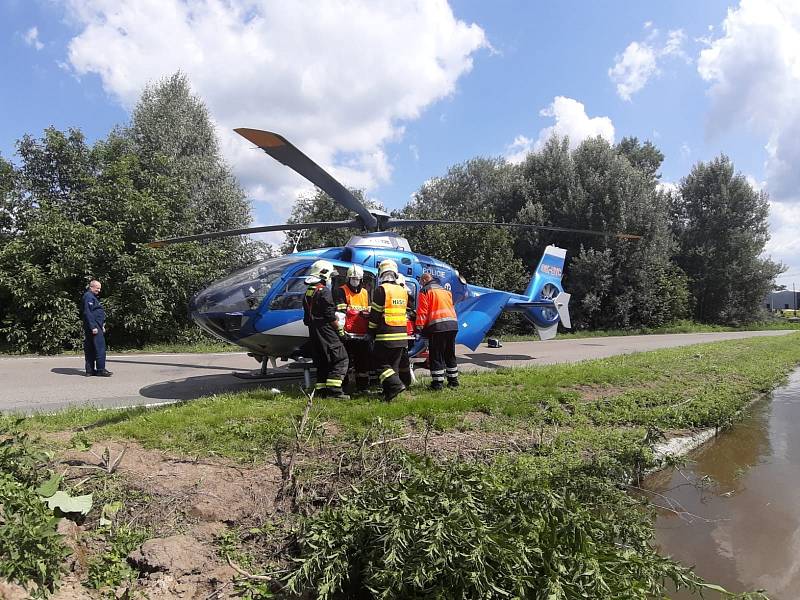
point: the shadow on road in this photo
(64, 371)
(173, 364)
(192, 388)
(485, 359)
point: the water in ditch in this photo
(736, 505)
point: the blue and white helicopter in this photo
(260, 307)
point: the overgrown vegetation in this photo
(31, 551)
(514, 528)
(110, 568)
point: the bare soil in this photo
(187, 504)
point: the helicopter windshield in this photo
(245, 289)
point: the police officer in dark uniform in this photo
(94, 328)
(325, 332)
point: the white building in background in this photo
(782, 300)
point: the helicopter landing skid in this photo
(296, 370)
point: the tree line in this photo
(71, 211)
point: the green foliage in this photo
(31, 552)
(721, 225)
(479, 190)
(21, 456)
(80, 212)
(485, 531)
(110, 568)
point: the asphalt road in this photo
(48, 384)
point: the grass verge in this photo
(678, 327)
(694, 386)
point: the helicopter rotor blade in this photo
(279, 148)
(261, 229)
(421, 222)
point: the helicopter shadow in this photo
(487, 360)
(192, 388)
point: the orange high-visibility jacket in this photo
(355, 300)
(354, 305)
(435, 310)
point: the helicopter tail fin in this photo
(550, 268)
(549, 302)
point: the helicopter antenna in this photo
(297, 240)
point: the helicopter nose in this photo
(206, 309)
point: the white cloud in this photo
(754, 72)
(668, 187)
(633, 69)
(573, 122)
(639, 62)
(301, 69)
(753, 68)
(31, 38)
(784, 242)
(518, 149)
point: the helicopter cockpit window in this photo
(291, 296)
(245, 289)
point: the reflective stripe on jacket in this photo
(435, 310)
(388, 314)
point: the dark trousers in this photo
(405, 368)
(330, 357)
(94, 351)
(358, 354)
(442, 356)
(388, 360)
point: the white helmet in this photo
(355, 272)
(400, 279)
(387, 270)
(321, 270)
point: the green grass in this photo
(693, 386)
(678, 327)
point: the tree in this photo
(172, 133)
(644, 157)
(721, 226)
(86, 212)
(481, 189)
(615, 282)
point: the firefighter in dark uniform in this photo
(352, 300)
(437, 321)
(406, 373)
(327, 348)
(387, 323)
(93, 316)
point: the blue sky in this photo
(389, 95)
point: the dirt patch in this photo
(592, 393)
(208, 490)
